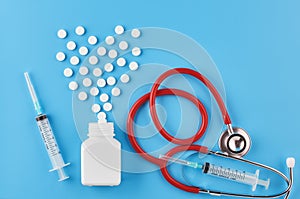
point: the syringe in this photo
(47, 134)
(226, 173)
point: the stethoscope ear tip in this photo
(290, 162)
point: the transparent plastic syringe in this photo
(225, 173)
(47, 134)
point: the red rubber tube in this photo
(187, 143)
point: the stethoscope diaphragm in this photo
(235, 142)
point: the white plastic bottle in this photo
(101, 156)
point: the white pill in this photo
(121, 62)
(96, 108)
(83, 50)
(71, 45)
(109, 40)
(119, 30)
(115, 91)
(80, 30)
(83, 70)
(92, 40)
(73, 85)
(101, 82)
(61, 34)
(68, 72)
(97, 72)
(94, 91)
(87, 82)
(104, 97)
(133, 65)
(112, 54)
(125, 78)
(135, 33)
(101, 51)
(82, 96)
(74, 60)
(111, 80)
(107, 106)
(93, 60)
(108, 67)
(123, 45)
(101, 116)
(136, 51)
(60, 56)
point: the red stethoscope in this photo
(234, 142)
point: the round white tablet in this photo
(68, 72)
(83, 70)
(94, 91)
(93, 60)
(109, 40)
(83, 50)
(108, 67)
(133, 65)
(96, 108)
(61, 34)
(119, 30)
(87, 82)
(135, 33)
(101, 82)
(115, 91)
(73, 85)
(60, 56)
(71, 45)
(123, 45)
(111, 80)
(136, 51)
(97, 72)
(92, 40)
(101, 51)
(101, 116)
(80, 30)
(107, 106)
(74, 60)
(121, 62)
(104, 97)
(125, 78)
(112, 54)
(82, 96)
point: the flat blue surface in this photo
(255, 45)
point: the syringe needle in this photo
(34, 98)
(180, 161)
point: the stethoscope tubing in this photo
(187, 144)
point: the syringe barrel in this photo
(51, 145)
(223, 172)
(235, 175)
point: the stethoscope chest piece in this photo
(235, 142)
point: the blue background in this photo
(255, 45)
